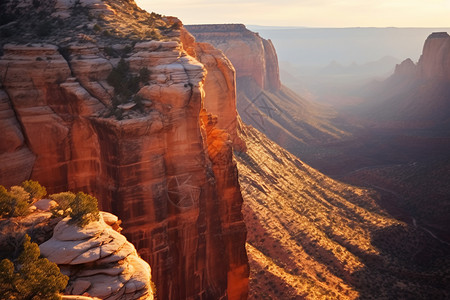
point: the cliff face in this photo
(435, 59)
(251, 55)
(147, 159)
(219, 86)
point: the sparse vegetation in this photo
(64, 201)
(126, 85)
(84, 209)
(30, 277)
(329, 240)
(35, 24)
(14, 203)
(81, 207)
(35, 190)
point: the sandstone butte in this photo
(434, 63)
(166, 171)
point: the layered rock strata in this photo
(251, 55)
(147, 162)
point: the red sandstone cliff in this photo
(251, 55)
(155, 167)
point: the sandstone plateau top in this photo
(64, 22)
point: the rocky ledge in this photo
(99, 261)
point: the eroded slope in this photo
(316, 238)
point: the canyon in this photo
(179, 131)
(306, 230)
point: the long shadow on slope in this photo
(413, 266)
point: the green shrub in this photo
(139, 104)
(35, 190)
(176, 26)
(31, 277)
(13, 203)
(125, 84)
(144, 75)
(97, 27)
(44, 29)
(84, 209)
(111, 52)
(64, 201)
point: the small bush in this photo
(111, 52)
(139, 105)
(97, 27)
(176, 26)
(14, 203)
(84, 209)
(118, 114)
(144, 75)
(31, 277)
(35, 190)
(64, 201)
(125, 84)
(154, 34)
(44, 29)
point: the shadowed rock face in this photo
(153, 167)
(435, 59)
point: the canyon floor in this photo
(313, 237)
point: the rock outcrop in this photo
(148, 159)
(99, 261)
(219, 87)
(435, 59)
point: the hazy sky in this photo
(313, 13)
